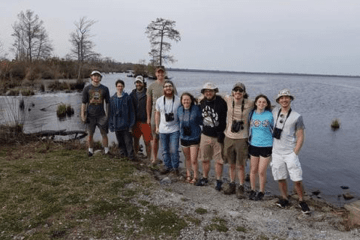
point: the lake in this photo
(329, 158)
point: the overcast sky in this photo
(288, 36)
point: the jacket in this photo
(139, 105)
(193, 122)
(122, 114)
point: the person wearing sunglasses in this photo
(236, 137)
(289, 135)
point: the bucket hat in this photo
(209, 86)
(284, 92)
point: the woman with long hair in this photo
(189, 115)
(260, 148)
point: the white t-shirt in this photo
(287, 142)
(171, 106)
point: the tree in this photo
(31, 39)
(157, 31)
(2, 52)
(82, 46)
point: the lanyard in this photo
(287, 116)
(242, 110)
(172, 107)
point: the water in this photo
(329, 158)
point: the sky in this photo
(277, 36)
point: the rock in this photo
(165, 181)
(348, 196)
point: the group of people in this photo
(229, 129)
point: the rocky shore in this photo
(218, 216)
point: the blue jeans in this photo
(170, 145)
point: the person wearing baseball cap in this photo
(289, 135)
(94, 96)
(141, 128)
(214, 109)
(153, 92)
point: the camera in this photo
(277, 133)
(187, 131)
(169, 117)
(237, 126)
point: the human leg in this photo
(121, 143)
(186, 151)
(194, 162)
(129, 144)
(154, 144)
(174, 149)
(263, 163)
(104, 129)
(219, 162)
(254, 168)
(165, 143)
(283, 188)
(299, 190)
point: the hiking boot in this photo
(259, 196)
(304, 207)
(282, 203)
(252, 195)
(90, 154)
(165, 170)
(240, 192)
(231, 189)
(202, 182)
(218, 185)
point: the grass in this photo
(200, 211)
(335, 124)
(48, 191)
(218, 225)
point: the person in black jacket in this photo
(141, 127)
(214, 110)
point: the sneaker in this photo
(282, 203)
(231, 189)
(202, 182)
(252, 195)
(259, 196)
(218, 185)
(90, 154)
(304, 207)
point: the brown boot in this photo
(240, 192)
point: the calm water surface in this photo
(329, 159)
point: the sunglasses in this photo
(238, 90)
(168, 86)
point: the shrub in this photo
(335, 124)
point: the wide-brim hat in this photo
(96, 72)
(209, 86)
(284, 92)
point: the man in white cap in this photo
(214, 111)
(141, 127)
(94, 96)
(288, 139)
(154, 91)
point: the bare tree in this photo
(157, 31)
(3, 54)
(31, 39)
(82, 45)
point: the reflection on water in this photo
(329, 159)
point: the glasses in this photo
(238, 90)
(168, 86)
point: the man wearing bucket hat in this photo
(94, 96)
(141, 128)
(288, 139)
(214, 111)
(154, 91)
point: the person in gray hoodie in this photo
(122, 119)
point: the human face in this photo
(238, 93)
(96, 78)
(160, 75)
(261, 104)
(209, 94)
(139, 86)
(186, 101)
(119, 88)
(168, 89)
(285, 102)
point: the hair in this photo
(169, 81)
(268, 107)
(193, 100)
(119, 81)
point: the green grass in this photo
(200, 211)
(48, 191)
(218, 225)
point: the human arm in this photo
(157, 121)
(83, 117)
(300, 137)
(148, 109)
